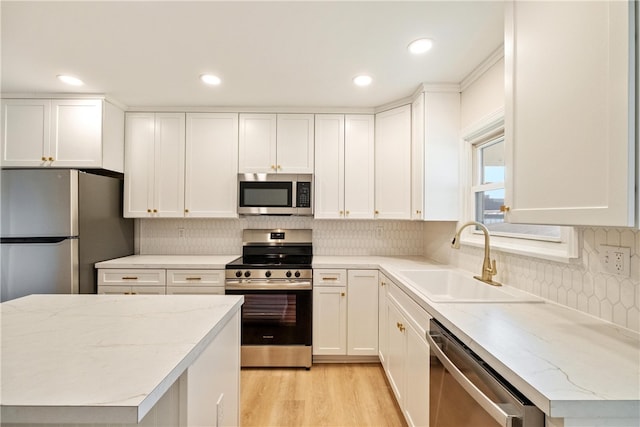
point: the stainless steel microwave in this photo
(275, 194)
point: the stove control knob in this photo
(247, 273)
(238, 273)
(288, 274)
(267, 273)
(297, 274)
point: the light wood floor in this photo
(326, 395)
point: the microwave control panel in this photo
(303, 198)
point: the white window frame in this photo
(487, 129)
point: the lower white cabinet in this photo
(161, 281)
(194, 282)
(131, 282)
(407, 354)
(345, 306)
(383, 334)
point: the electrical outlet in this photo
(379, 232)
(181, 232)
(616, 260)
(220, 411)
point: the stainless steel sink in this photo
(453, 286)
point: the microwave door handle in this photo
(495, 411)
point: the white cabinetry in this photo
(195, 282)
(154, 165)
(211, 160)
(407, 356)
(569, 127)
(393, 164)
(435, 155)
(64, 133)
(344, 166)
(276, 143)
(134, 281)
(345, 306)
(383, 333)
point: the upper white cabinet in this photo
(393, 164)
(211, 160)
(435, 152)
(344, 166)
(569, 123)
(276, 143)
(82, 133)
(154, 167)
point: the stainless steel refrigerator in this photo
(55, 225)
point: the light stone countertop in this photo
(570, 364)
(169, 261)
(109, 358)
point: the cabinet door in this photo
(393, 164)
(359, 166)
(416, 397)
(76, 133)
(169, 165)
(569, 132)
(396, 351)
(139, 164)
(295, 143)
(417, 157)
(211, 186)
(25, 132)
(257, 143)
(383, 333)
(329, 320)
(329, 166)
(362, 313)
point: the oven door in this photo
(275, 317)
(465, 391)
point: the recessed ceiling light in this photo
(210, 79)
(70, 80)
(420, 46)
(362, 80)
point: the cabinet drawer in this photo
(195, 278)
(138, 277)
(194, 290)
(329, 277)
(416, 315)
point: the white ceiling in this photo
(279, 54)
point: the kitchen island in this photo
(126, 360)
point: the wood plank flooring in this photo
(326, 395)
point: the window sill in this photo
(563, 252)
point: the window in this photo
(486, 183)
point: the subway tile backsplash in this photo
(581, 285)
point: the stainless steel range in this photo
(274, 274)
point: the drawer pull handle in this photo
(329, 278)
(194, 278)
(129, 278)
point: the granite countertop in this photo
(82, 358)
(169, 261)
(568, 363)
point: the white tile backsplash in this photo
(581, 284)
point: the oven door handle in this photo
(268, 286)
(495, 411)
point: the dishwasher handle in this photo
(495, 411)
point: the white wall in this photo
(581, 284)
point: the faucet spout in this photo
(489, 268)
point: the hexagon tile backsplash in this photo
(581, 284)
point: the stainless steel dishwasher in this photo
(465, 391)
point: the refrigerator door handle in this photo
(18, 240)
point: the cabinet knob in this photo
(401, 327)
(186, 211)
(341, 213)
(342, 294)
(383, 283)
(148, 210)
(348, 213)
(279, 167)
(376, 212)
(51, 159)
(273, 167)
(504, 208)
(155, 211)
(44, 159)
